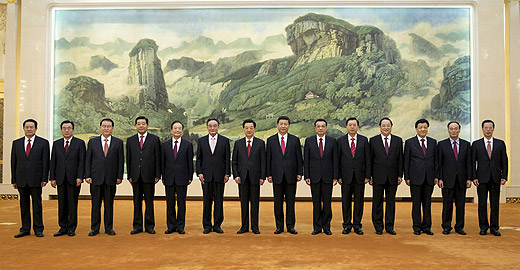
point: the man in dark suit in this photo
(420, 173)
(321, 173)
(143, 167)
(454, 177)
(489, 163)
(213, 169)
(104, 164)
(29, 173)
(249, 172)
(354, 173)
(66, 172)
(386, 153)
(284, 169)
(177, 174)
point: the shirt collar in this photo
(216, 136)
(144, 135)
(70, 139)
(350, 137)
(457, 140)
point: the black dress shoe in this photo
(428, 232)
(292, 231)
(445, 231)
(496, 233)
(417, 232)
(278, 231)
(483, 232)
(379, 232)
(315, 232)
(21, 234)
(150, 231)
(181, 231)
(169, 231)
(92, 233)
(461, 232)
(110, 232)
(71, 233)
(206, 231)
(242, 231)
(256, 231)
(327, 232)
(345, 231)
(38, 234)
(60, 233)
(392, 232)
(218, 230)
(359, 232)
(136, 231)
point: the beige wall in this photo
(27, 87)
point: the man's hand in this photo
(468, 184)
(189, 181)
(371, 181)
(340, 181)
(436, 181)
(475, 182)
(440, 184)
(226, 178)
(399, 180)
(43, 184)
(308, 181)
(367, 180)
(261, 181)
(298, 178)
(130, 180)
(503, 181)
(407, 182)
(53, 183)
(201, 178)
(15, 186)
(79, 181)
(157, 179)
(119, 181)
(237, 179)
(334, 182)
(88, 180)
(269, 179)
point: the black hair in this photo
(386, 118)
(67, 122)
(212, 119)
(32, 121)
(488, 121)
(176, 121)
(420, 121)
(453, 122)
(283, 117)
(248, 121)
(140, 118)
(320, 120)
(106, 119)
(350, 119)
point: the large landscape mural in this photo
(233, 64)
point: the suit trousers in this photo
(389, 190)
(494, 201)
(321, 205)
(68, 206)
(176, 220)
(147, 191)
(212, 192)
(421, 196)
(249, 193)
(287, 191)
(347, 190)
(457, 194)
(102, 194)
(26, 193)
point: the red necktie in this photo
(105, 148)
(423, 147)
(248, 148)
(283, 146)
(489, 149)
(320, 145)
(28, 148)
(141, 141)
(455, 150)
(175, 150)
(66, 147)
(353, 148)
(386, 145)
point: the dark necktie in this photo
(489, 149)
(455, 150)
(353, 148)
(283, 146)
(28, 148)
(248, 148)
(320, 145)
(386, 145)
(66, 147)
(423, 147)
(175, 150)
(141, 141)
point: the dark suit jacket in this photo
(386, 166)
(484, 168)
(416, 166)
(104, 169)
(144, 162)
(217, 165)
(359, 164)
(30, 171)
(316, 167)
(255, 163)
(67, 167)
(290, 164)
(178, 171)
(449, 167)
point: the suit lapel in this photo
(145, 143)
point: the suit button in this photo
(139, 166)
(141, 152)
(140, 158)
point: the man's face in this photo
(67, 130)
(249, 130)
(454, 130)
(352, 127)
(283, 126)
(212, 127)
(141, 126)
(320, 127)
(29, 129)
(106, 128)
(385, 127)
(488, 130)
(177, 130)
(422, 130)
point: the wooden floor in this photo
(195, 250)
